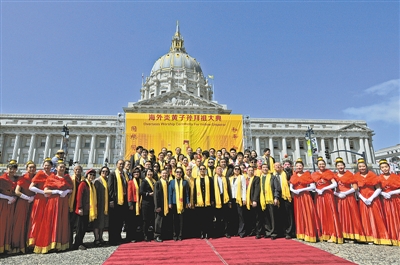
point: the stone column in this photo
(271, 146)
(342, 147)
(258, 145)
(92, 147)
(16, 146)
(349, 160)
(368, 151)
(31, 148)
(107, 151)
(2, 148)
(361, 143)
(77, 147)
(47, 146)
(297, 150)
(284, 148)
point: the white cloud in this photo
(388, 110)
(385, 88)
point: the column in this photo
(1, 148)
(284, 148)
(258, 146)
(362, 147)
(77, 147)
(16, 146)
(92, 147)
(31, 147)
(271, 145)
(349, 160)
(297, 150)
(198, 90)
(323, 148)
(106, 153)
(342, 147)
(47, 146)
(368, 151)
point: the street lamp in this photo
(309, 137)
(65, 134)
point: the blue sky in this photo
(272, 59)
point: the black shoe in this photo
(288, 237)
(180, 238)
(201, 236)
(258, 236)
(147, 239)
(158, 239)
(98, 244)
(82, 247)
(133, 241)
(273, 237)
(150, 229)
(175, 238)
(241, 236)
(227, 236)
(207, 237)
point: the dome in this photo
(176, 59)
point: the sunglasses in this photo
(104, 171)
(202, 169)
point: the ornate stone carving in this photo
(180, 102)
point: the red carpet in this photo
(222, 251)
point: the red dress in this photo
(372, 217)
(391, 207)
(38, 206)
(21, 216)
(328, 217)
(7, 187)
(54, 230)
(304, 211)
(349, 213)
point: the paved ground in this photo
(358, 253)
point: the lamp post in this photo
(309, 136)
(65, 134)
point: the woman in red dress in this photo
(7, 203)
(391, 201)
(40, 201)
(23, 209)
(305, 216)
(372, 217)
(54, 230)
(328, 218)
(347, 206)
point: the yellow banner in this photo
(182, 130)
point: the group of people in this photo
(201, 194)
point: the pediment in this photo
(354, 127)
(178, 98)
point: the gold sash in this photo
(150, 183)
(179, 196)
(239, 189)
(165, 196)
(266, 196)
(120, 195)
(248, 199)
(92, 201)
(218, 203)
(71, 198)
(137, 195)
(104, 182)
(200, 201)
(285, 187)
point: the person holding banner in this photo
(178, 199)
(203, 200)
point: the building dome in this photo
(176, 70)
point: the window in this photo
(87, 143)
(351, 144)
(301, 144)
(72, 143)
(27, 141)
(100, 159)
(276, 144)
(289, 144)
(42, 142)
(102, 143)
(85, 158)
(12, 142)
(58, 143)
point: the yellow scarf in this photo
(165, 193)
(200, 201)
(195, 171)
(191, 186)
(271, 164)
(92, 201)
(224, 172)
(120, 195)
(285, 187)
(179, 196)
(266, 196)
(218, 203)
(137, 194)
(239, 189)
(71, 199)
(151, 182)
(210, 172)
(248, 199)
(104, 182)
